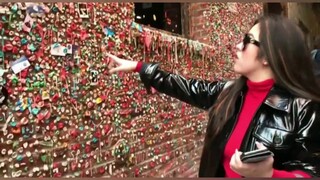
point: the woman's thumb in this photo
(260, 145)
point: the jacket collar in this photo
(278, 98)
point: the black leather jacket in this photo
(287, 125)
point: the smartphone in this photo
(255, 155)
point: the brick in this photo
(195, 6)
(196, 13)
(197, 35)
(205, 5)
(199, 27)
(198, 19)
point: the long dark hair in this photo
(315, 55)
(284, 47)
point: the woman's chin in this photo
(235, 68)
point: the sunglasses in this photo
(249, 39)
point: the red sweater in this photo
(256, 94)
(253, 99)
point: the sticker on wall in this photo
(83, 10)
(28, 23)
(36, 10)
(76, 52)
(20, 64)
(93, 77)
(58, 50)
(69, 48)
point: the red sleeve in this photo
(292, 174)
(138, 67)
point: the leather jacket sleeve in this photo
(199, 93)
(306, 151)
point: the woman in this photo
(272, 105)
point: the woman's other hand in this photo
(260, 169)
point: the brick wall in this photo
(232, 19)
(197, 21)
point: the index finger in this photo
(112, 56)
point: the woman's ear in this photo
(264, 61)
